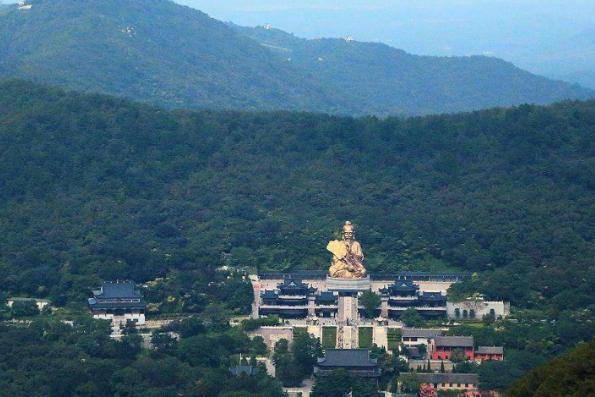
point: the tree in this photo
(287, 371)
(306, 350)
(24, 308)
(163, 342)
(216, 316)
(257, 346)
(295, 364)
(371, 302)
(412, 318)
(409, 383)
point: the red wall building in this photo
(489, 353)
(442, 347)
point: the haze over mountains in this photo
(170, 55)
(553, 38)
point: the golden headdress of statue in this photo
(348, 228)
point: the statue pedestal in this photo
(348, 284)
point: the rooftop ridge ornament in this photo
(348, 257)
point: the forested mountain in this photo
(571, 375)
(94, 187)
(392, 81)
(151, 50)
(166, 54)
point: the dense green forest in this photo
(94, 188)
(53, 359)
(571, 375)
(174, 56)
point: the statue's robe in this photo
(341, 267)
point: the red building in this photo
(442, 347)
(489, 353)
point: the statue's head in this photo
(348, 231)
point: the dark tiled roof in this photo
(419, 276)
(321, 274)
(294, 285)
(326, 296)
(420, 332)
(290, 282)
(117, 295)
(117, 289)
(454, 341)
(347, 358)
(304, 274)
(490, 350)
(447, 378)
(432, 297)
(401, 287)
(105, 305)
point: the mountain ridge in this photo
(174, 56)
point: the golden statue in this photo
(347, 255)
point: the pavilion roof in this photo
(490, 350)
(347, 358)
(454, 341)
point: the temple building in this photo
(322, 294)
(294, 299)
(442, 347)
(356, 361)
(401, 295)
(328, 302)
(489, 353)
(476, 308)
(419, 336)
(118, 301)
(291, 296)
(466, 383)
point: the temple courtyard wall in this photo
(321, 284)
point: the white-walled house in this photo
(476, 307)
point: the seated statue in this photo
(348, 256)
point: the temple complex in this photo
(335, 293)
(321, 300)
(119, 302)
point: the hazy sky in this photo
(542, 35)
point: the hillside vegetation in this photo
(94, 187)
(571, 375)
(391, 81)
(166, 54)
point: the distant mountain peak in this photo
(175, 56)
